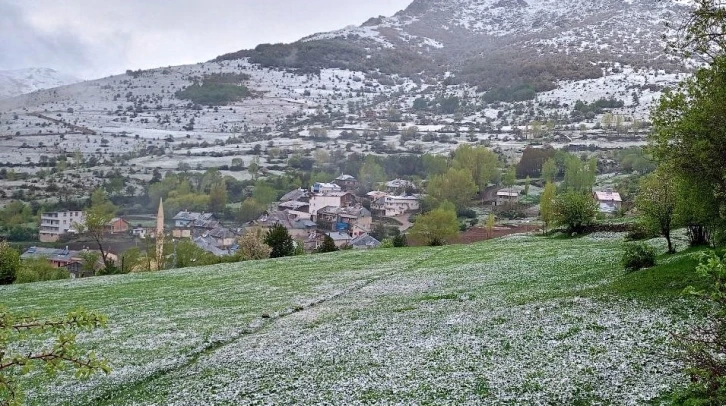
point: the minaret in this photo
(160, 236)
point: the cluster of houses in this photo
(336, 210)
(331, 209)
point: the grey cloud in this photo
(100, 37)
(25, 45)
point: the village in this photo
(336, 210)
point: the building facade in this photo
(55, 224)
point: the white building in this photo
(608, 201)
(332, 199)
(55, 224)
(393, 206)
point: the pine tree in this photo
(280, 241)
(328, 245)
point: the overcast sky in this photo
(94, 38)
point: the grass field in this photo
(519, 320)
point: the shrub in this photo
(702, 350)
(9, 263)
(638, 256)
(466, 213)
(640, 232)
(39, 270)
(253, 247)
(400, 241)
(575, 210)
(328, 245)
(387, 243)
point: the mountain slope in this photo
(492, 43)
(22, 81)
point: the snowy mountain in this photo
(22, 81)
(493, 43)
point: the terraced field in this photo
(519, 320)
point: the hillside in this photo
(492, 43)
(17, 82)
(504, 74)
(527, 319)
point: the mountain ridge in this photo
(491, 43)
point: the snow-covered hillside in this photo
(617, 42)
(22, 81)
(607, 30)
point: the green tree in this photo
(371, 173)
(696, 210)
(704, 32)
(607, 120)
(482, 164)
(218, 197)
(576, 210)
(328, 245)
(657, 203)
(546, 204)
(254, 167)
(456, 186)
(101, 204)
(130, 260)
(250, 210)
(97, 218)
(280, 241)
(688, 132)
(510, 177)
(252, 246)
(579, 175)
(187, 254)
(264, 193)
(549, 170)
(491, 221)
(436, 227)
(25, 347)
(90, 260)
(434, 164)
(9, 263)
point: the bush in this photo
(640, 232)
(702, 349)
(575, 210)
(466, 213)
(9, 263)
(400, 241)
(40, 270)
(328, 245)
(638, 256)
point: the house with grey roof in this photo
(365, 241)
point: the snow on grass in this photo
(505, 321)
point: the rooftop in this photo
(345, 177)
(608, 196)
(193, 216)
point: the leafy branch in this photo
(17, 333)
